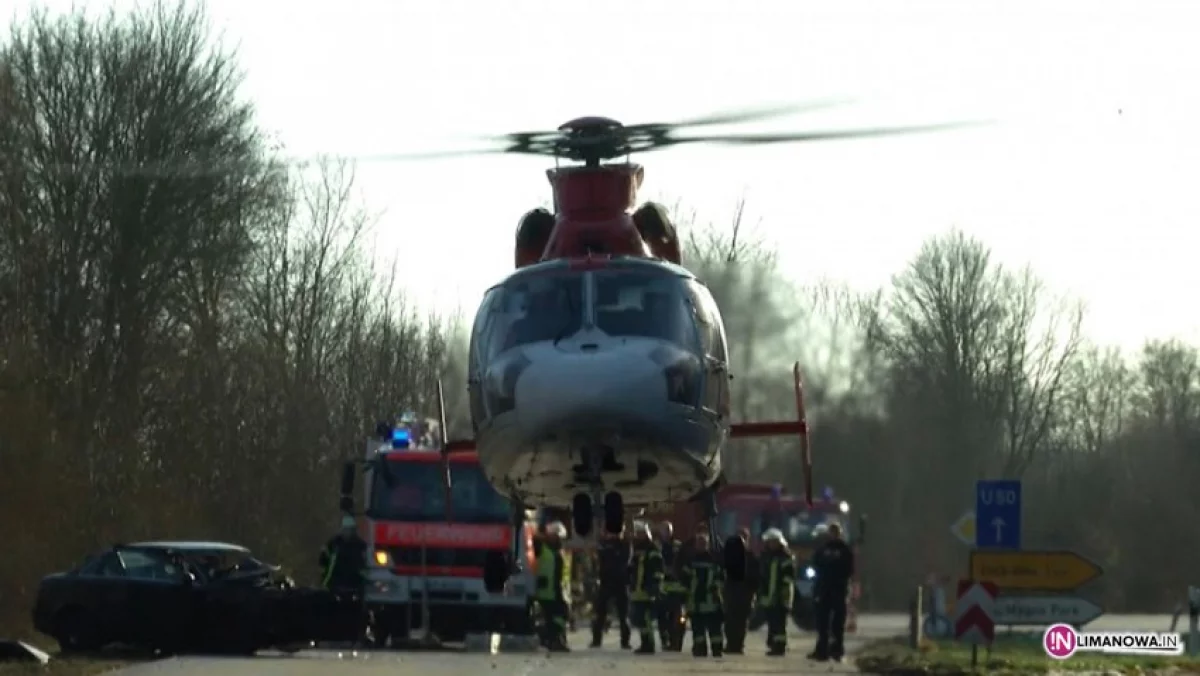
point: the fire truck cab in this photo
(426, 557)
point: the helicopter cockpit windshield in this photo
(532, 310)
(644, 304)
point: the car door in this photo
(100, 589)
(157, 591)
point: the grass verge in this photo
(66, 666)
(1009, 655)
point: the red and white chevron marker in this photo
(973, 612)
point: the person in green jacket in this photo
(554, 586)
(704, 580)
(778, 579)
(646, 580)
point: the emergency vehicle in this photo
(759, 507)
(426, 558)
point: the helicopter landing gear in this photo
(581, 514)
(733, 550)
(614, 513)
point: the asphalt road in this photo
(582, 662)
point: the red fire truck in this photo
(759, 507)
(426, 562)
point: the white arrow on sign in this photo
(998, 524)
(964, 528)
(1044, 610)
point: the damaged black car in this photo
(175, 597)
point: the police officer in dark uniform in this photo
(833, 563)
(673, 597)
(775, 588)
(739, 600)
(343, 563)
(613, 559)
(645, 584)
(704, 579)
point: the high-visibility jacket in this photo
(778, 579)
(646, 574)
(553, 573)
(704, 578)
(671, 566)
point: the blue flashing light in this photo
(828, 493)
(777, 490)
(401, 438)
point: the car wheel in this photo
(76, 632)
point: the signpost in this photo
(998, 514)
(964, 528)
(973, 612)
(1057, 571)
(1044, 610)
(973, 621)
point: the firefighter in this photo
(704, 578)
(673, 593)
(775, 586)
(739, 600)
(343, 562)
(613, 561)
(834, 565)
(554, 587)
(646, 579)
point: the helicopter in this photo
(598, 373)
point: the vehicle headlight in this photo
(382, 558)
(501, 383)
(810, 573)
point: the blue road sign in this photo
(998, 514)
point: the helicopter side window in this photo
(644, 305)
(712, 331)
(536, 309)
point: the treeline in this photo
(963, 369)
(193, 335)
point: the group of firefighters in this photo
(648, 579)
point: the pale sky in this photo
(1092, 174)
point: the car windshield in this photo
(644, 303)
(415, 493)
(533, 309)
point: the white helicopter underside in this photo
(593, 398)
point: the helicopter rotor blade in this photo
(800, 137)
(756, 114)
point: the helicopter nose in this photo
(608, 386)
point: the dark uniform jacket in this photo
(645, 571)
(343, 561)
(614, 558)
(672, 560)
(833, 563)
(703, 579)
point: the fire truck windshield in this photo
(415, 493)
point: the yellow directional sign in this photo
(1033, 570)
(964, 528)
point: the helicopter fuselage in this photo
(597, 375)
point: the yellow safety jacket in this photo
(778, 579)
(704, 580)
(647, 578)
(553, 574)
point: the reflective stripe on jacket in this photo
(778, 579)
(553, 574)
(704, 578)
(647, 572)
